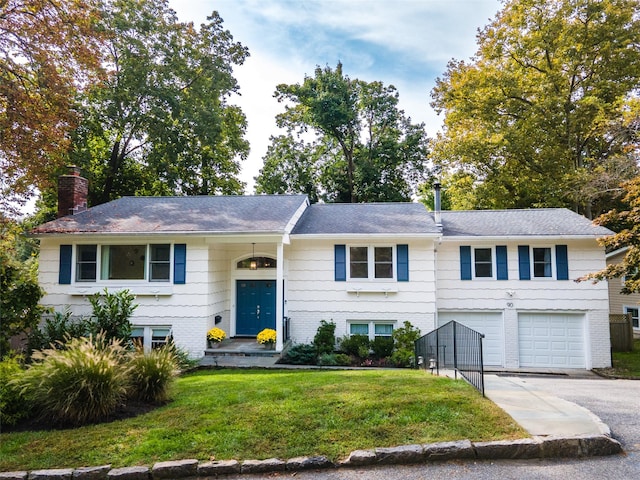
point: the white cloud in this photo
(406, 43)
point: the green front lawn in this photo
(231, 414)
(625, 364)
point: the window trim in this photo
(138, 281)
(552, 262)
(147, 335)
(371, 263)
(371, 327)
(492, 262)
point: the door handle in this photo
(257, 309)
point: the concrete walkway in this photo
(540, 413)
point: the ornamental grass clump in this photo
(85, 383)
(152, 373)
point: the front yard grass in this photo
(258, 414)
(625, 364)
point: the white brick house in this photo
(247, 262)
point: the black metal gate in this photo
(453, 346)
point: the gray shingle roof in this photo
(208, 214)
(366, 218)
(528, 222)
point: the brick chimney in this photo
(72, 192)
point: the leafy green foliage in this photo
(382, 347)
(151, 374)
(356, 345)
(13, 407)
(81, 384)
(21, 293)
(325, 338)
(111, 313)
(301, 354)
(334, 360)
(365, 149)
(160, 123)
(56, 330)
(404, 339)
(627, 225)
(538, 117)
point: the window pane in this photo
(383, 262)
(159, 337)
(358, 262)
(383, 329)
(86, 264)
(384, 270)
(160, 265)
(483, 262)
(123, 262)
(358, 329)
(542, 262)
(383, 254)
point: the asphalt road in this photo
(616, 402)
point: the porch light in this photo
(253, 265)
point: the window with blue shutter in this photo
(502, 270)
(402, 252)
(64, 270)
(562, 262)
(465, 262)
(524, 262)
(179, 263)
(340, 263)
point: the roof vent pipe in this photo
(437, 203)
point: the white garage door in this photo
(551, 340)
(488, 323)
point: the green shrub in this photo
(301, 354)
(152, 373)
(403, 358)
(325, 338)
(404, 338)
(327, 359)
(56, 331)
(382, 347)
(342, 359)
(84, 383)
(356, 345)
(111, 313)
(12, 406)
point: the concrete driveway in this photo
(616, 402)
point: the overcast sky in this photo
(405, 43)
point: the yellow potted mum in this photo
(267, 337)
(215, 336)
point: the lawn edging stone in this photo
(523, 449)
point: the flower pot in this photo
(213, 343)
(269, 346)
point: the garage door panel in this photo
(489, 324)
(551, 340)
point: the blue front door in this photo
(255, 306)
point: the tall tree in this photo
(531, 117)
(49, 50)
(161, 123)
(627, 225)
(364, 150)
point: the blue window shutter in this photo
(502, 269)
(523, 262)
(402, 251)
(562, 262)
(179, 263)
(340, 263)
(465, 262)
(64, 271)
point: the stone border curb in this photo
(526, 448)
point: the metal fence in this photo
(456, 347)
